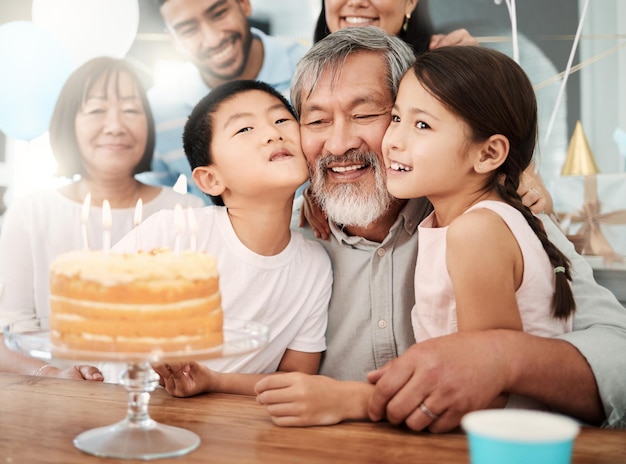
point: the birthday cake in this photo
(141, 302)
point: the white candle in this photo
(84, 218)
(193, 227)
(137, 221)
(107, 221)
(179, 226)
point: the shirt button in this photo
(382, 323)
(380, 252)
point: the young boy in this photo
(243, 143)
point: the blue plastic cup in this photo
(519, 436)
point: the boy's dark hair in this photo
(198, 131)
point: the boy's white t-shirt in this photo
(288, 292)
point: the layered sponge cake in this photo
(139, 302)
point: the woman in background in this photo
(102, 134)
(407, 19)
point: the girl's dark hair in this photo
(417, 35)
(198, 131)
(493, 95)
(71, 99)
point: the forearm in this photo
(355, 399)
(20, 364)
(17, 363)
(551, 371)
(238, 384)
(244, 384)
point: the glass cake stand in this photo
(137, 436)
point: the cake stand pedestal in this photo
(137, 436)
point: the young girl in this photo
(464, 127)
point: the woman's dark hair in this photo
(71, 99)
(417, 35)
(198, 131)
(493, 95)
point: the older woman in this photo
(102, 134)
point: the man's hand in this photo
(312, 214)
(450, 376)
(534, 193)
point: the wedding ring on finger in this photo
(535, 191)
(428, 412)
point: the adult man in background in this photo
(216, 37)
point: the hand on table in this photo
(297, 399)
(183, 379)
(78, 372)
(450, 375)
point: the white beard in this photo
(349, 204)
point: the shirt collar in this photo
(409, 218)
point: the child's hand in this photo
(312, 214)
(297, 399)
(183, 379)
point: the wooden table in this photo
(40, 417)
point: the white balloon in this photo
(90, 28)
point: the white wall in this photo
(290, 18)
(603, 82)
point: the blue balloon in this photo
(34, 66)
